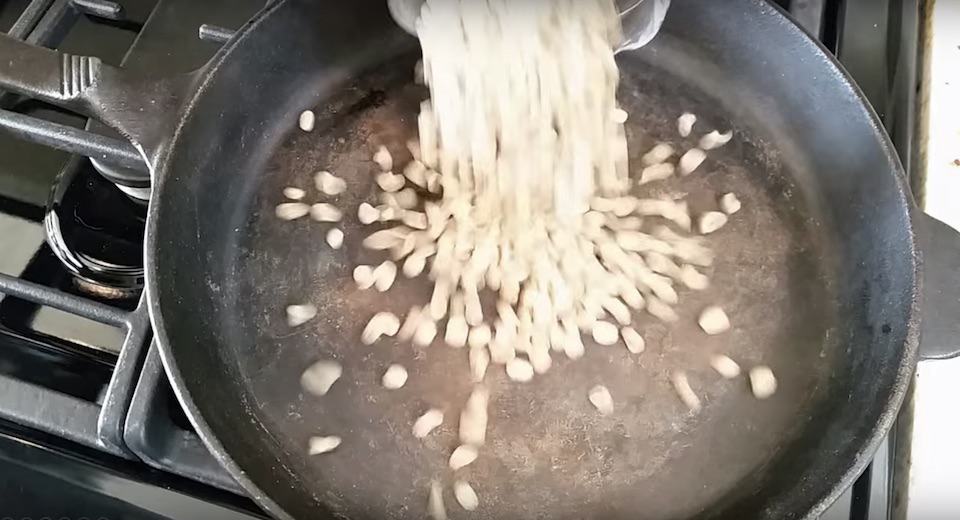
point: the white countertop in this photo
(934, 491)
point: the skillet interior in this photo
(817, 273)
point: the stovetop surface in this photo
(88, 423)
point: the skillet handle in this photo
(940, 325)
(144, 110)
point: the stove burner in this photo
(96, 230)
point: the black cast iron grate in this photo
(136, 417)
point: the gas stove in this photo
(88, 423)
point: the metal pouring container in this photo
(641, 19)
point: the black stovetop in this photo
(88, 423)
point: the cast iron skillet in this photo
(820, 271)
